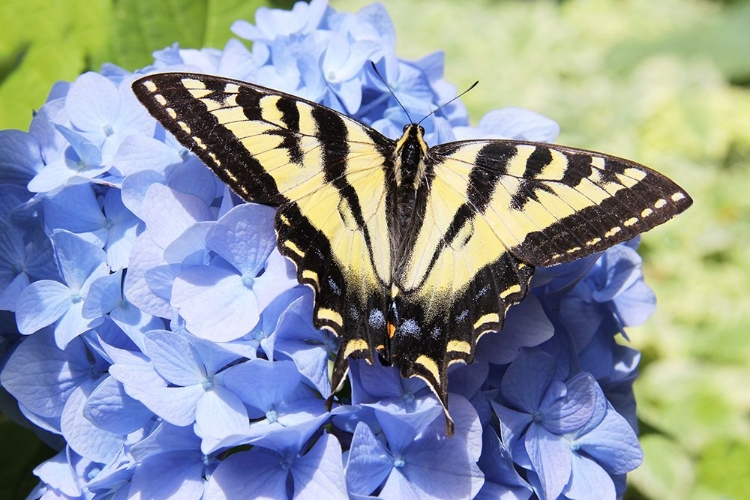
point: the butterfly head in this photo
(409, 155)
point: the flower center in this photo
(208, 383)
(272, 415)
(248, 280)
(398, 462)
(75, 297)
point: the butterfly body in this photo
(413, 251)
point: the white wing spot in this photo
(612, 232)
(660, 203)
(160, 99)
(185, 127)
(150, 86)
(593, 242)
(232, 88)
(199, 143)
(171, 113)
(678, 196)
(573, 250)
(218, 163)
(630, 222)
(646, 212)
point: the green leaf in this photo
(20, 451)
(44, 43)
(143, 26)
(724, 469)
(666, 472)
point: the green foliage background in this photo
(664, 83)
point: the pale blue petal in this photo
(172, 474)
(200, 292)
(78, 260)
(613, 444)
(72, 324)
(82, 435)
(193, 178)
(41, 304)
(244, 237)
(174, 358)
(551, 459)
(263, 384)
(519, 124)
(57, 473)
(110, 408)
(257, 471)
(74, 208)
(20, 157)
(93, 102)
(219, 415)
(145, 256)
(41, 376)
(526, 325)
(527, 379)
(138, 152)
(167, 213)
(589, 481)
(175, 405)
(105, 294)
(368, 463)
(320, 473)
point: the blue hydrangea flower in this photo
(155, 336)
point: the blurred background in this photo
(663, 83)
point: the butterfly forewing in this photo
(314, 164)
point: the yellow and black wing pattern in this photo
(413, 252)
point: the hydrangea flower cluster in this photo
(152, 332)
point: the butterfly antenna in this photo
(444, 105)
(390, 90)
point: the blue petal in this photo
(146, 256)
(519, 124)
(173, 474)
(368, 463)
(319, 473)
(613, 444)
(174, 358)
(263, 384)
(574, 410)
(110, 408)
(92, 103)
(551, 458)
(244, 237)
(78, 260)
(105, 294)
(526, 325)
(81, 434)
(220, 418)
(258, 471)
(20, 157)
(500, 475)
(589, 481)
(199, 292)
(41, 304)
(75, 208)
(527, 379)
(41, 376)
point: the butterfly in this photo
(413, 252)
